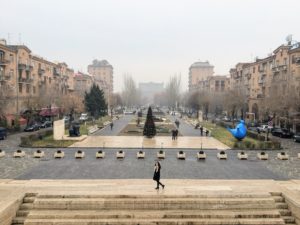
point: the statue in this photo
(240, 131)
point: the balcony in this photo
(56, 72)
(41, 71)
(25, 80)
(4, 61)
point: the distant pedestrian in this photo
(206, 132)
(173, 134)
(177, 123)
(111, 125)
(201, 130)
(156, 175)
(176, 134)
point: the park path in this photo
(185, 128)
(119, 125)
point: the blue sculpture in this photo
(240, 131)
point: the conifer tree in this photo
(149, 127)
(95, 102)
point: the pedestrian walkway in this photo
(118, 125)
(156, 142)
(185, 128)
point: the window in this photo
(253, 69)
(33, 89)
(20, 87)
(27, 88)
(11, 58)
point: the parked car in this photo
(282, 132)
(253, 129)
(32, 127)
(296, 137)
(264, 128)
(226, 119)
(3, 133)
(83, 117)
(46, 124)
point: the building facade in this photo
(103, 77)
(199, 72)
(26, 79)
(82, 83)
(278, 72)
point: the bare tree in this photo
(234, 102)
(173, 91)
(130, 94)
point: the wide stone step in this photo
(288, 219)
(285, 212)
(18, 220)
(267, 221)
(179, 203)
(278, 198)
(26, 206)
(170, 214)
(204, 195)
(28, 199)
(22, 213)
(281, 206)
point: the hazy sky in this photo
(150, 40)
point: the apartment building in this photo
(199, 72)
(82, 83)
(103, 76)
(280, 71)
(25, 78)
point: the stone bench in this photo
(2, 153)
(19, 154)
(201, 155)
(120, 154)
(79, 154)
(59, 154)
(242, 156)
(106, 123)
(222, 155)
(140, 154)
(282, 156)
(181, 155)
(100, 154)
(38, 154)
(262, 156)
(161, 154)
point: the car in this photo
(83, 117)
(264, 128)
(282, 132)
(46, 124)
(3, 133)
(253, 129)
(296, 137)
(32, 127)
(226, 119)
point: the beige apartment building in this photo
(279, 71)
(103, 76)
(27, 80)
(199, 72)
(82, 83)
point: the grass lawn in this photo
(224, 136)
(49, 142)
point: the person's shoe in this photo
(157, 188)
(163, 186)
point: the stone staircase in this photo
(202, 209)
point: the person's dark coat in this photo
(156, 175)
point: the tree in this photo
(173, 91)
(149, 127)
(95, 102)
(234, 101)
(72, 104)
(130, 94)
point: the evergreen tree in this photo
(95, 102)
(149, 128)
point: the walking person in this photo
(173, 134)
(201, 130)
(111, 125)
(176, 134)
(156, 176)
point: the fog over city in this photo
(151, 40)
